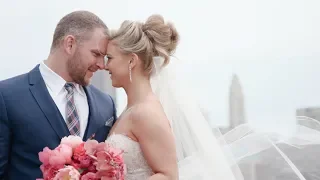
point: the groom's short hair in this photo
(79, 24)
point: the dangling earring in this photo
(130, 72)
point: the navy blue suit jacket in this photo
(30, 121)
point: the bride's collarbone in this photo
(123, 127)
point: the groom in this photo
(54, 99)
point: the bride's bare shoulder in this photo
(152, 130)
(150, 112)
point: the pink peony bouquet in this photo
(74, 159)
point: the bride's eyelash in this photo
(109, 57)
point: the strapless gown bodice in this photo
(137, 167)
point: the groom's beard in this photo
(76, 70)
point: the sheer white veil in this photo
(199, 153)
(240, 154)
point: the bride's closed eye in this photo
(107, 58)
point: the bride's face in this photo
(117, 65)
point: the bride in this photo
(143, 130)
(163, 131)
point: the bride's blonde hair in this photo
(149, 39)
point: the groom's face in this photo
(88, 58)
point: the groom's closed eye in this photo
(97, 53)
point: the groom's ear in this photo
(69, 44)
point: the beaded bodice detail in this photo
(136, 165)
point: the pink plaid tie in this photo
(73, 122)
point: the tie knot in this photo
(69, 87)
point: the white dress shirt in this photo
(55, 85)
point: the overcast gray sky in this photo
(273, 46)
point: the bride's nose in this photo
(106, 67)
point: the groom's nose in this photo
(100, 63)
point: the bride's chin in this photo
(115, 85)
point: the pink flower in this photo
(44, 155)
(102, 147)
(67, 173)
(89, 176)
(72, 141)
(91, 146)
(110, 163)
(49, 171)
(59, 156)
(108, 172)
(53, 160)
(80, 158)
(92, 168)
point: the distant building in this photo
(312, 112)
(236, 103)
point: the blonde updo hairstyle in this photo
(147, 40)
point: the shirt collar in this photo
(55, 82)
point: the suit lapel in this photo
(94, 115)
(46, 103)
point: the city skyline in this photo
(236, 103)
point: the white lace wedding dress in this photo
(137, 167)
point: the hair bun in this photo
(163, 36)
(174, 38)
(147, 40)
